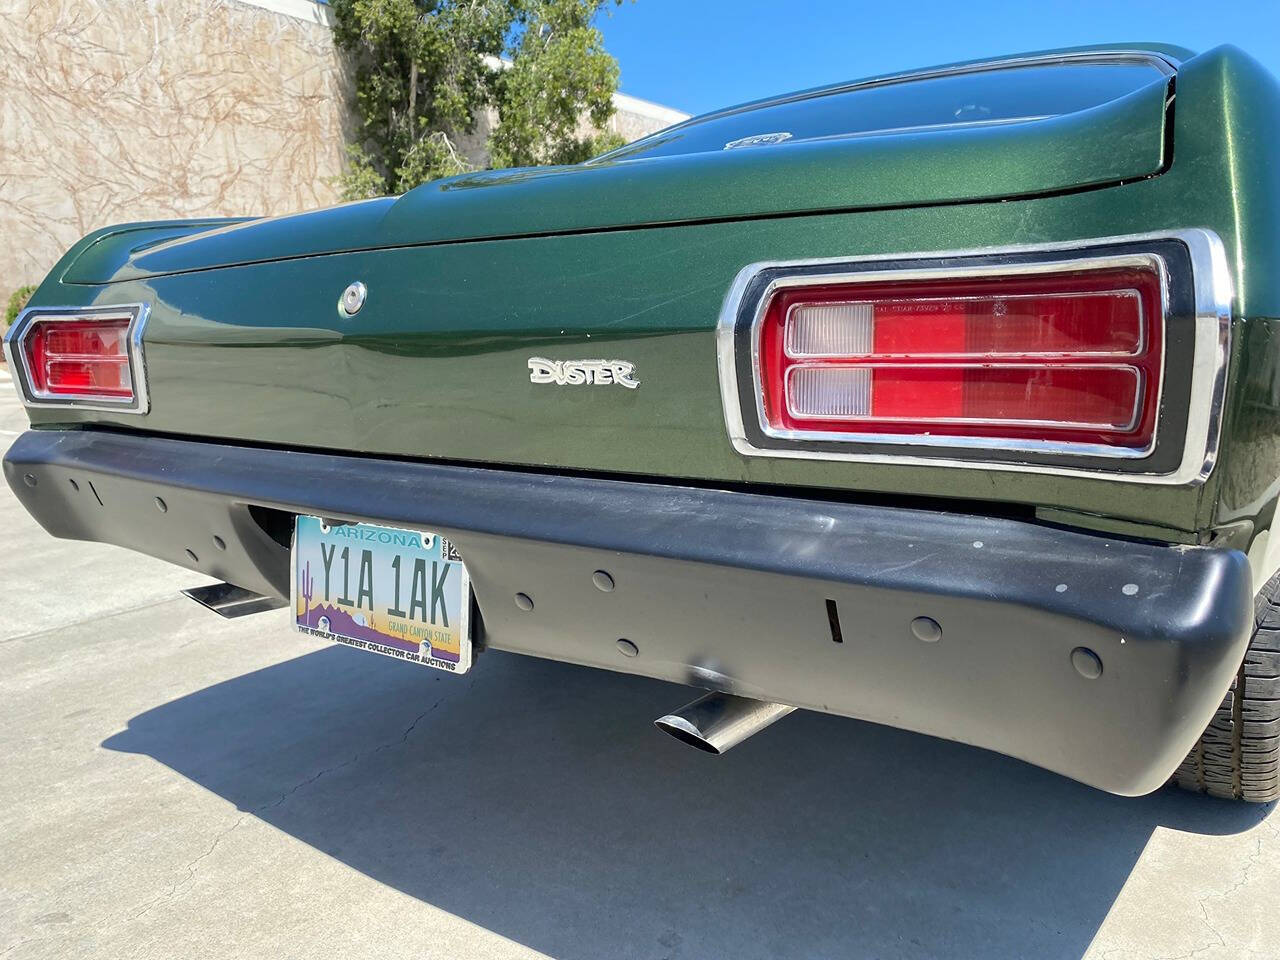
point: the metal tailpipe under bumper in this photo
(718, 721)
(1097, 657)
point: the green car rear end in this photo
(706, 409)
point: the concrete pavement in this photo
(176, 785)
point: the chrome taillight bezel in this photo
(1196, 291)
(16, 356)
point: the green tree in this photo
(426, 70)
(17, 300)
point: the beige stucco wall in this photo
(119, 110)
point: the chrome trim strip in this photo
(1142, 261)
(1167, 66)
(1129, 424)
(960, 355)
(928, 128)
(137, 315)
(1213, 293)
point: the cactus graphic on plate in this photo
(306, 590)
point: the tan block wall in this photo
(119, 110)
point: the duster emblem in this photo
(758, 140)
(575, 373)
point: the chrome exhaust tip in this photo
(229, 601)
(718, 721)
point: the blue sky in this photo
(697, 55)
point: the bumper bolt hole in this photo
(1087, 663)
(192, 554)
(29, 479)
(219, 542)
(74, 486)
(161, 505)
(524, 602)
(628, 649)
(926, 629)
(603, 581)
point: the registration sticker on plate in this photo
(402, 593)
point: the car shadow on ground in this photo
(536, 800)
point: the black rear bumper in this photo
(730, 590)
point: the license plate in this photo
(401, 593)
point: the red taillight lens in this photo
(79, 359)
(1073, 357)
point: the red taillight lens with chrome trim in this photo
(87, 357)
(1073, 357)
(79, 359)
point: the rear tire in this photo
(1238, 755)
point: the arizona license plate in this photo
(402, 593)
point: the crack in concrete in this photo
(191, 872)
(1226, 894)
(1244, 874)
(1204, 919)
(352, 760)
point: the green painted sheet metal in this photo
(435, 364)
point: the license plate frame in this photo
(417, 588)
